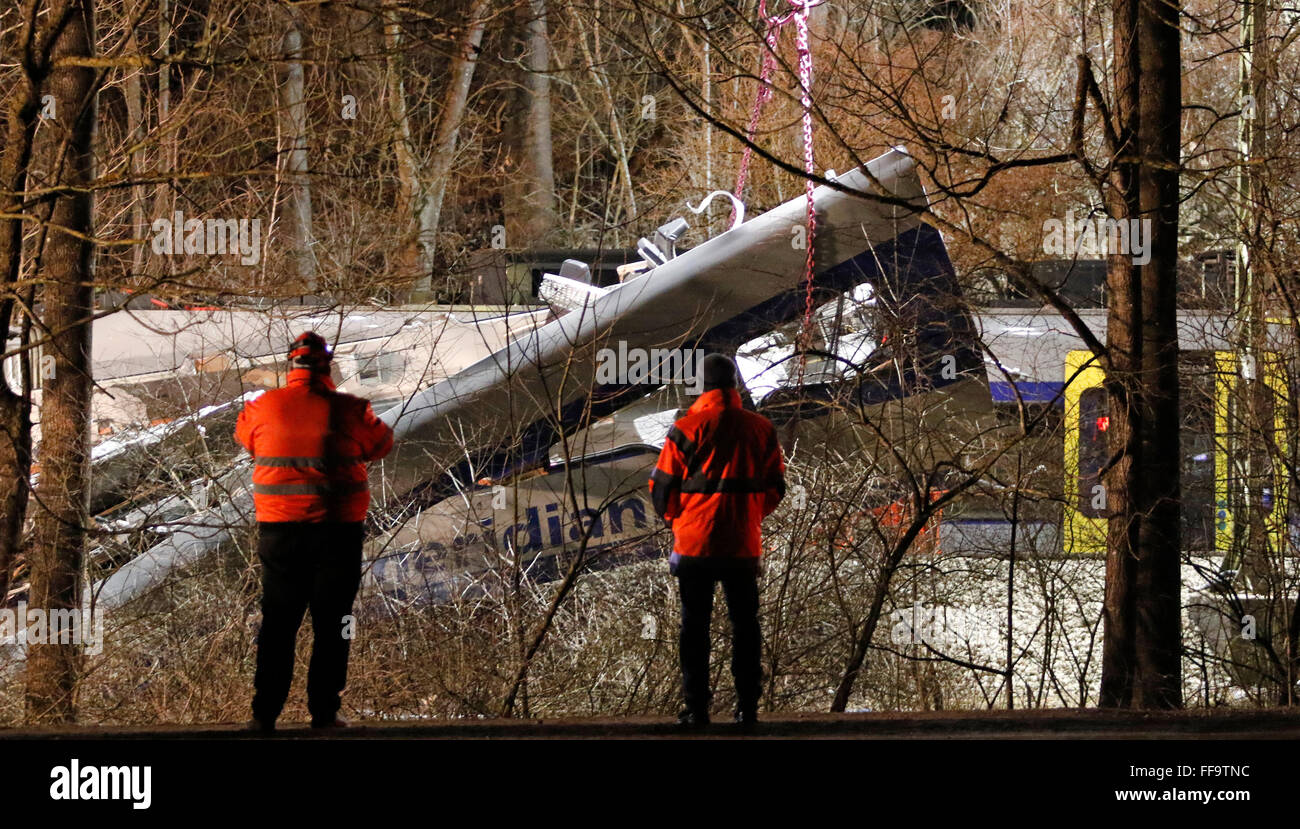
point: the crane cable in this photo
(798, 12)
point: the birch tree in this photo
(528, 187)
(424, 184)
(294, 164)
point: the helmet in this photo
(310, 351)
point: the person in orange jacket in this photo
(310, 446)
(719, 475)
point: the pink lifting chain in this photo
(799, 14)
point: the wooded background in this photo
(383, 145)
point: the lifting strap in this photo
(798, 12)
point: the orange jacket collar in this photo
(305, 376)
(717, 399)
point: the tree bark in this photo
(1122, 480)
(1142, 639)
(412, 265)
(293, 128)
(136, 129)
(1159, 576)
(444, 145)
(66, 262)
(165, 195)
(528, 187)
(21, 108)
(423, 188)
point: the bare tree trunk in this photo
(293, 128)
(21, 107)
(165, 198)
(616, 139)
(424, 187)
(414, 265)
(1123, 478)
(136, 131)
(1142, 640)
(66, 262)
(1159, 578)
(444, 145)
(529, 181)
(1247, 445)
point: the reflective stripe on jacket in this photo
(719, 474)
(310, 446)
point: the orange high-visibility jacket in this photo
(310, 446)
(719, 474)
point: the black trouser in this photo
(695, 580)
(305, 565)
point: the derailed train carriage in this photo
(524, 456)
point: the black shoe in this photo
(260, 726)
(692, 720)
(747, 720)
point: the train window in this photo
(849, 313)
(13, 368)
(380, 367)
(1196, 412)
(1094, 421)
